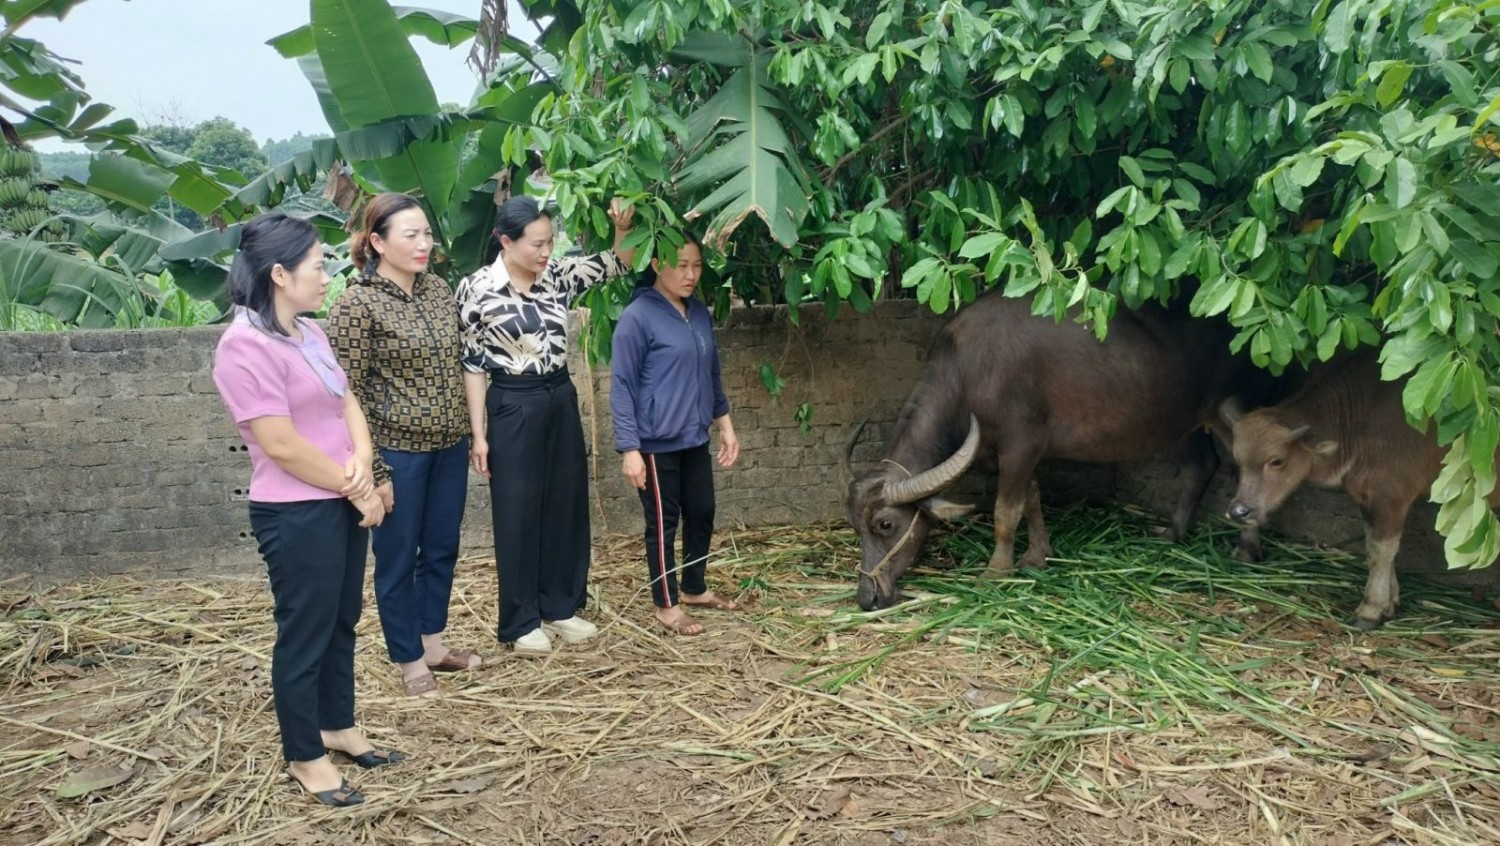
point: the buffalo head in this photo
(892, 508)
(1274, 459)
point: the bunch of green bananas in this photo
(19, 161)
(24, 207)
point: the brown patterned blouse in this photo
(403, 354)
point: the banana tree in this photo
(87, 276)
(389, 131)
(50, 101)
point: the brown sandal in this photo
(684, 625)
(456, 660)
(714, 601)
(423, 685)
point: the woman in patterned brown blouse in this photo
(395, 332)
(523, 417)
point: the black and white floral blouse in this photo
(507, 331)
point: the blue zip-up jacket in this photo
(665, 388)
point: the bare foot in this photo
(443, 659)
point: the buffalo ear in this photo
(1314, 444)
(1324, 447)
(1230, 411)
(943, 509)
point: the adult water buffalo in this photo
(1344, 428)
(1004, 389)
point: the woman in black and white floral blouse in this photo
(523, 412)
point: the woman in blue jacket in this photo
(665, 392)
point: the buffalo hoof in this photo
(999, 569)
(1034, 562)
(1364, 625)
(1174, 533)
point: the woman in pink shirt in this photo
(313, 494)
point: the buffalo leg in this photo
(1038, 543)
(1383, 524)
(1008, 511)
(1199, 462)
(1013, 485)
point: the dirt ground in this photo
(151, 701)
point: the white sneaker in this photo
(533, 643)
(572, 630)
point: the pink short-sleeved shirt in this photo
(264, 375)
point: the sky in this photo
(185, 61)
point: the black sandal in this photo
(343, 796)
(373, 758)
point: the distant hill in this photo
(279, 151)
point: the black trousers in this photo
(538, 499)
(679, 488)
(315, 558)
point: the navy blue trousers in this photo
(315, 558)
(416, 547)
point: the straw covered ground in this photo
(1135, 692)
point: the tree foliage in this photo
(219, 142)
(1322, 175)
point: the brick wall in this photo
(115, 453)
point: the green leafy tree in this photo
(172, 137)
(1324, 175)
(295, 199)
(219, 142)
(224, 143)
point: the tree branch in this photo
(852, 154)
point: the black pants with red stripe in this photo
(679, 488)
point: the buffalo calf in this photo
(1345, 428)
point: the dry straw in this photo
(1134, 692)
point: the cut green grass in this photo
(1128, 632)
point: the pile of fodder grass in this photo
(1126, 632)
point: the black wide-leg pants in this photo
(538, 499)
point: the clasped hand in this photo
(373, 506)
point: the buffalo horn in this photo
(929, 482)
(845, 465)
